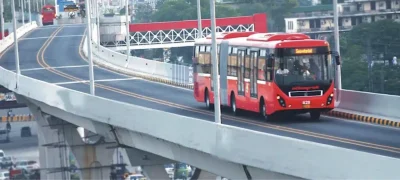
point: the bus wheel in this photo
(233, 105)
(207, 101)
(263, 109)
(315, 115)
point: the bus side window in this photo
(207, 60)
(200, 59)
(270, 67)
(247, 64)
(195, 60)
(261, 65)
(229, 61)
(234, 63)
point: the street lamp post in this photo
(199, 28)
(89, 44)
(98, 25)
(128, 38)
(29, 11)
(337, 48)
(18, 72)
(217, 103)
(2, 17)
(23, 11)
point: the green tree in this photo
(383, 36)
(177, 10)
(143, 13)
(276, 11)
(304, 2)
(371, 41)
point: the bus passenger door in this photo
(253, 74)
(251, 94)
(240, 74)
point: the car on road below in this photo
(6, 162)
(21, 164)
(32, 165)
(4, 175)
(26, 131)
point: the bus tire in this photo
(234, 109)
(207, 100)
(315, 115)
(263, 109)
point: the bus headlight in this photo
(329, 100)
(281, 101)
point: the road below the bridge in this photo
(69, 67)
(22, 148)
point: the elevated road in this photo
(60, 61)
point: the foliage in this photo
(177, 10)
(276, 11)
(371, 41)
(143, 13)
(7, 11)
(304, 2)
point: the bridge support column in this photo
(93, 160)
(48, 157)
(202, 175)
(152, 165)
(155, 172)
(59, 139)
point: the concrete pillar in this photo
(155, 172)
(93, 161)
(152, 165)
(48, 157)
(202, 175)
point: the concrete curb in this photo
(18, 118)
(365, 119)
(333, 113)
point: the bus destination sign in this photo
(304, 51)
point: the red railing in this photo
(259, 21)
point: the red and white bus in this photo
(268, 73)
(48, 15)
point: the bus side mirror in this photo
(337, 59)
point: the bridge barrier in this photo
(360, 106)
(148, 69)
(9, 40)
(236, 145)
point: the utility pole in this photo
(2, 17)
(369, 58)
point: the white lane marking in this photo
(101, 80)
(46, 37)
(59, 67)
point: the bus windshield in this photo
(293, 66)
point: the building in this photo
(315, 2)
(317, 20)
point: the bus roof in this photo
(265, 40)
(48, 6)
